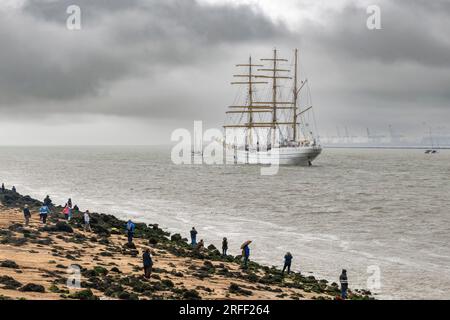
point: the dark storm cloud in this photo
(166, 19)
(412, 31)
(44, 62)
(173, 58)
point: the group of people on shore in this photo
(3, 189)
(245, 247)
(45, 210)
(246, 255)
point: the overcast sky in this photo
(139, 69)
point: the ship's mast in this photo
(294, 122)
(274, 102)
(262, 106)
(250, 102)
(250, 108)
(274, 96)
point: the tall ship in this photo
(267, 124)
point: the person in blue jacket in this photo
(193, 236)
(148, 263)
(246, 253)
(344, 284)
(130, 231)
(287, 262)
(43, 213)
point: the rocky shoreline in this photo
(37, 260)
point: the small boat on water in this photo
(266, 124)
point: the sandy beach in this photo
(35, 261)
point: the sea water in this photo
(381, 214)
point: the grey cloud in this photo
(412, 31)
(173, 59)
(119, 40)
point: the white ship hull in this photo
(301, 156)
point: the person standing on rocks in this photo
(43, 213)
(246, 252)
(344, 284)
(13, 189)
(200, 245)
(47, 201)
(287, 262)
(26, 214)
(130, 231)
(148, 263)
(193, 236)
(87, 221)
(68, 212)
(69, 203)
(224, 246)
(3, 187)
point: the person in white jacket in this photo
(87, 220)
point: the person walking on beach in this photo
(47, 201)
(130, 231)
(287, 262)
(87, 221)
(193, 236)
(26, 214)
(246, 252)
(43, 213)
(224, 246)
(148, 263)
(344, 284)
(68, 212)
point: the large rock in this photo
(9, 264)
(60, 226)
(31, 287)
(9, 282)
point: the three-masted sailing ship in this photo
(267, 125)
